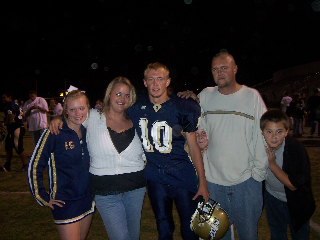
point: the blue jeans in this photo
(243, 203)
(278, 218)
(121, 214)
(296, 126)
(313, 127)
(161, 197)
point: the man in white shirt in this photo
(35, 109)
(235, 162)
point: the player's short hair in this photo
(73, 95)
(133, 95)
(276, 116)
(223, 53)
(157, 67)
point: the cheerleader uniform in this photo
(67, 161)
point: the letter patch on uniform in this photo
(69, 145)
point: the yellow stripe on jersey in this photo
(34, 172)
(54, 176)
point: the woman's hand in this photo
(52, 202)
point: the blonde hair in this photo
(106, 100)
(157, 67)
(74, 94)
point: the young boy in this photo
(288, 195)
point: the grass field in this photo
(22, 218)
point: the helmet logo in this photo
(209, 221)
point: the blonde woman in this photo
(66, 158)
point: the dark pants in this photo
(278, 218)
(17, 143)
(161, 197)
(314, 123)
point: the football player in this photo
(15, 132)
(171, 176)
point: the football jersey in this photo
(159, 127)
(15, 109)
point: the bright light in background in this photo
(62, 94)
(187, 1)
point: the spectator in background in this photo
(304, 107)
(285, 101)
(98, 105)
(21, 103)
(35, 109)
(295, 110)
(314, 110)
(15, 132)
(52, 104)
(57, 111)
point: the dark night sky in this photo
(57, 41)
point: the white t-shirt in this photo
(57, 111)
(285, 101)
(37, 119)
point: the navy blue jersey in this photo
(15, 109)
(159, 127)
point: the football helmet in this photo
(209, 221)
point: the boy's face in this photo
(202, 139)
(274, 134)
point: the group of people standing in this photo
(299, 110)
(108, 158)
(35, 110)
